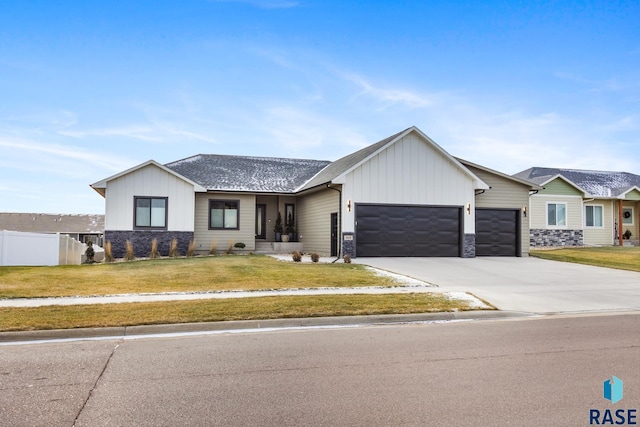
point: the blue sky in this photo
(91, 88)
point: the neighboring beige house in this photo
(77, 226)
(402, 196)
(580, 207)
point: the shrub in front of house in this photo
(191, 249)
(89, 253)
(315, 257)
(213, 247)
(173, 248)
(297, 257)
(108, 253)
(129, 253)
(154, 249)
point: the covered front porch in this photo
(627, 228)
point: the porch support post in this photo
(620, 222)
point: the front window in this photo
(627, 216)
(593, 216)
(557, 214)
(224, 214)
(151, 212)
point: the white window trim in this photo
(585, 216)
(633, 217)
(566, 216)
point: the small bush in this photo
(154, 249)
(627, 234)
(297, 257)
(129, 253)
(89, 253)
(213, 247)
(108, 254)
(315, 257)
(346, 259)
(173, 248)
(229, 248)
(191, 249)
(239, 245)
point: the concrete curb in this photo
(124, 331)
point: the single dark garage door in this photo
(415, 230)
(497, 232)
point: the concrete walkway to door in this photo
(524, 284)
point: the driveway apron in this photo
(524, 284)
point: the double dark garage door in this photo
(428, 231)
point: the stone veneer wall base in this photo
(469, 247)
(141, 241)
(556, 238)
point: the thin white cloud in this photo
(514, 141)
(389, 96)
(143, 133)
(301, 130)
(28, 155)
(157, 132)
(264, 4)
(613, 84)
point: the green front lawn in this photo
(251, 272)
(235, 272)
(622, 258)
(214, 310)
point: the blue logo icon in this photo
(613, 389)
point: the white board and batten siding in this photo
(409, 172)
(245, 233)
(314, 220)
(149, 181)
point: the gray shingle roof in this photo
(51, 223)
(242, 173)
(595, 183)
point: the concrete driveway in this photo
(524, 284)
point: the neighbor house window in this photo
(627, 216)
(223, 214)
(593, 216)
(150, 212)
(557, 214)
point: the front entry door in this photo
(334, 234)
(261, 221)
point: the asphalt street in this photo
(545, 371)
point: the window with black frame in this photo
(150, 212)
(224, 214)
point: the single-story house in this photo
(402, 196)
(582, 207)
(77, 226)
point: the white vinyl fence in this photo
(19, 248)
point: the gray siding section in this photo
(223, 238)
(314, 220)
(507, 194)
